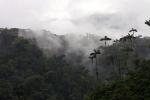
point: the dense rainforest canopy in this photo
(134, 87)
(26, 73)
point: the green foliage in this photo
(134, 87)
(26, 74)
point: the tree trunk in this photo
(96, 70)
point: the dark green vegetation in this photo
(134, 87)
(122, 70)
(129, 77)
(26, 74)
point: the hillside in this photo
(27, 74)
(34, 66)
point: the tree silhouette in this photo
(116, 41)
(128, 37)
(93, 56)
(127, 48)
(105, 39)
(133, 30)
(132, 37)
(147, 22)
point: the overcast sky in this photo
(111, 17)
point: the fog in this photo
(76, 48)
(110, 17)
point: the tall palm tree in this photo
(97, 52)
(127, 37)
(132, 37)
(127, 48)
(105, 39)
(93, 56)
(133, 30)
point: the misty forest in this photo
(40, 65)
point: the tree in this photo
(133, 30)
(26, 73)
(133, 87)
(147, 22)
(92, 56)
(105, 39)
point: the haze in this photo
(103, 17)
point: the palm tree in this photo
(133, 30)
(97, 52)
(128, 37)
(127, 48)
(93, 56)
(105, 39)
(131, 37)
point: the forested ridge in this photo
(130, 66)
(136, 86)
(27, 74)
(120, 70)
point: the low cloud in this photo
(76, 16)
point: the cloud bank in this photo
(111, 17)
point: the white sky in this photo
(111, 17)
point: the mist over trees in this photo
(126, 63)
(39, 65)
(27, 74)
